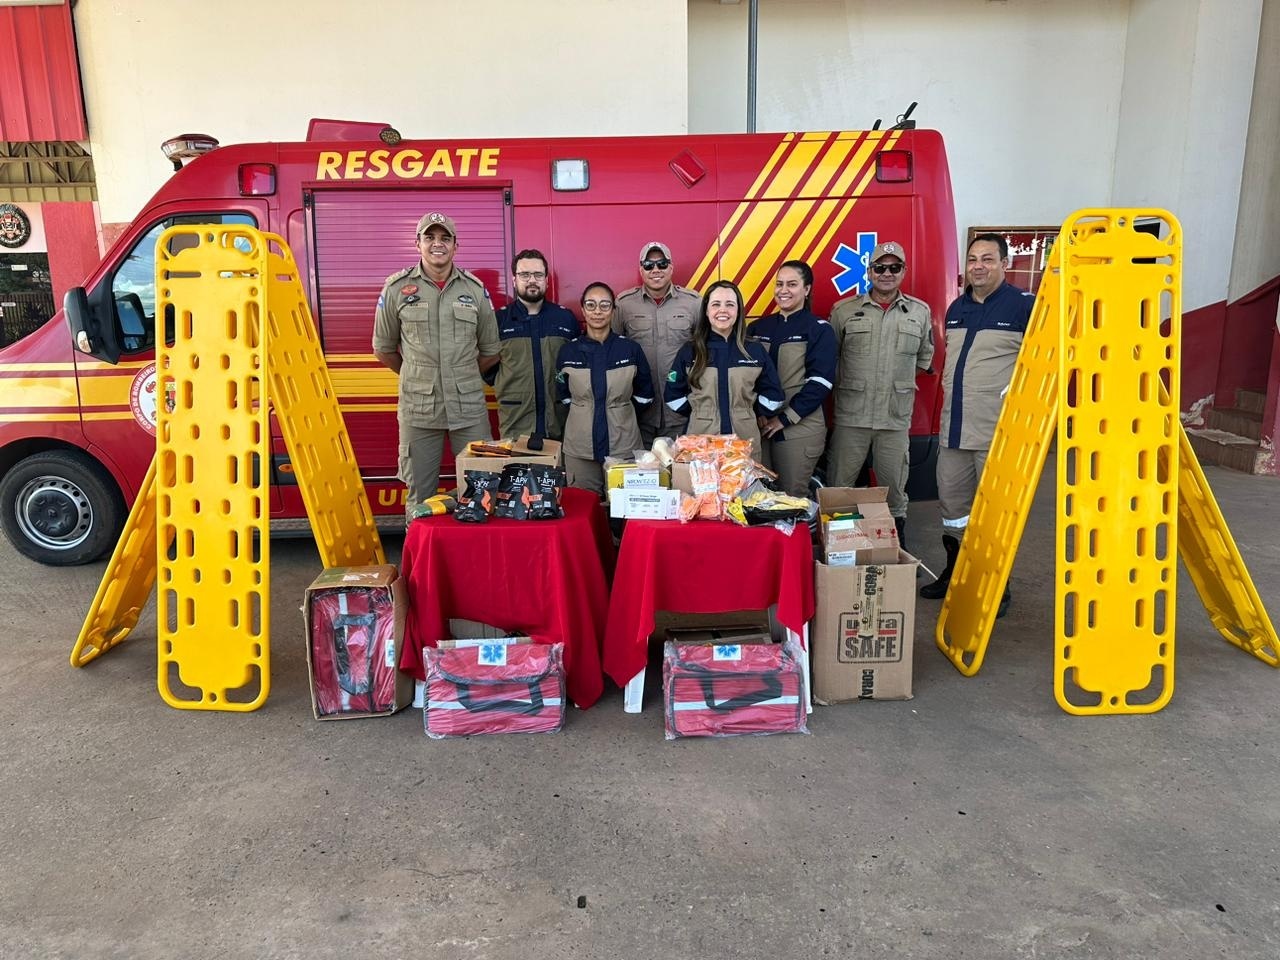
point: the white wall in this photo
(1257, 241)
(1025, 92)
(244, 70)
(1188, 83)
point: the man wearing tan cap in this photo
(659, 316)
(435, 327)
(884, 336)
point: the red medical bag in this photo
(494, 687)
(726, 689)
(353, 651)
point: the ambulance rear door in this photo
(359, 237)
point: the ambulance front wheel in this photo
(61, 508)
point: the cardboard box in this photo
(380, 577)
(872, 539)
(863, 633)
(631, 476)
(748, 633)
(644, 504)
(680, 479)
(550, 454)
(747, 621)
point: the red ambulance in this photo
(77, 427)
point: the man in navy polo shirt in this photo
(984, 333)
(532, 330)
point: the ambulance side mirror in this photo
(88, 334)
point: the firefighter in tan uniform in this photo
(884, 337)
(435, 327)
(659, 316)
(601, 379)
(721, 380)
(802, 347)
(532, 330)
(985, 326)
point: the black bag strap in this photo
(771, 689)
(343, 624)
(532, 707)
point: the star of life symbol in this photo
(493, 655)
(727, 651)
(853, 263)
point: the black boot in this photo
(901, 524)
(938, 589)
(1004, 603)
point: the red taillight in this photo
(257, 179)
(893, 166)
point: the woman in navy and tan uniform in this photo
(720, 379)
(803, 348)
(600, 377)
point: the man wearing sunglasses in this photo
(532, 330)
(659, 316)
(884, 336)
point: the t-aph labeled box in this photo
(520, 453)
(862, 639)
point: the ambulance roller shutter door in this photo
(364, 236)
(361, 237)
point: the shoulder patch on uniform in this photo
(382, 301)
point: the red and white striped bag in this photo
(494, 686)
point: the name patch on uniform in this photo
(409, 289)
(466, 299)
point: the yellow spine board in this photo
(213, 614)
(306, 408)
(1116, 595)
(1215, 565)
(1116, 656)
(127, 582)
(1007, 486)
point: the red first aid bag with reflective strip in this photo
(353, 650)
(494, 687)
(727, 689)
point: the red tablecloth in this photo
(701, 567)
(544, 578)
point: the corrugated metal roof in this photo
(39, 75)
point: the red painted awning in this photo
(40, 95)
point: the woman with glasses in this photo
(722, 381)
(802, 347)
(601, 377)
(884, 337)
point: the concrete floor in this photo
(977, 820)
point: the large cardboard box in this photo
(520, 453)
(873, 538)
(862, 639)
(390, 598)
